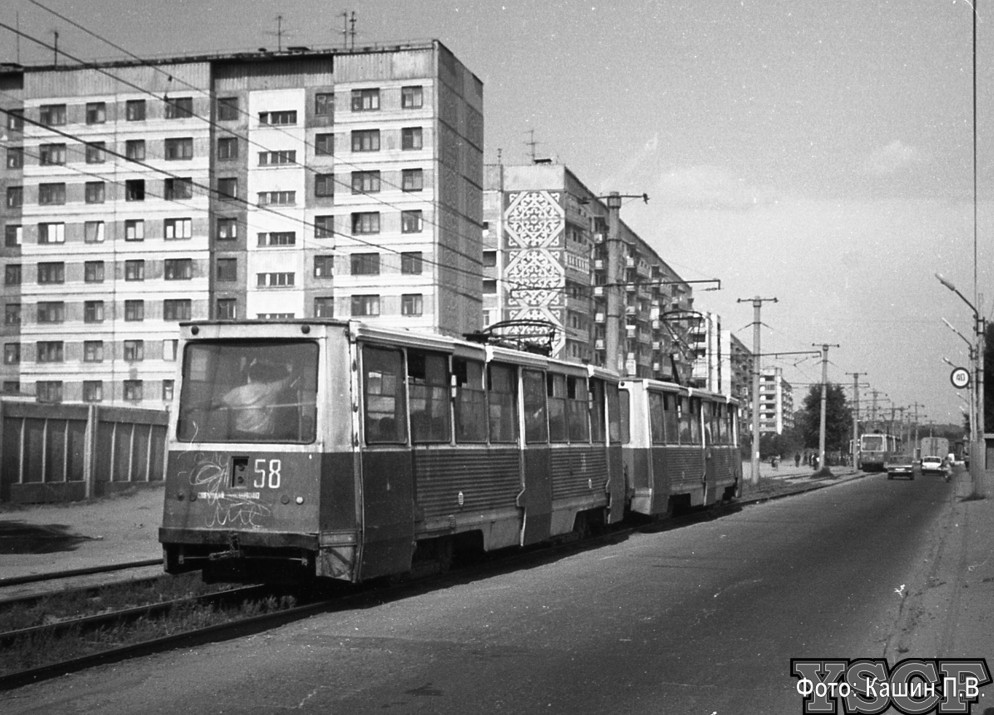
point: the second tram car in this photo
(875, 449)
(335, 449)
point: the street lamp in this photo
(978, 449)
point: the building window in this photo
(48, 390)
(411, 97)
(411, 221)
(365, 264)
(11, 353)
(50, 351)
(227, 270)
(12, 386)
(277, 198)
(96, 112)
(227, 148)
(134, 110)
(175, 189)
(15, 197)
(490, 260)
(366, 140)
(96, 152)
(169, 348)
(365, 182)
(411, 304)
(134, 230)
(12, 274)
(274, 316)
(278, 238)
(365, 305)
(93, 232)
(324, 144)
(52, 154)
(281, 118)
(93, 311)
(411, 138)
(365, 222)
(133, 390)
(52, 272)
(134, 350)
(227, 229)
(134, 149)
(94, 192)
(15, 157)
(227, 187)
(176, 309)
(93, 391)
(277, 158)
(93, 271)
(324, 185)
(275, 280)
(181, 148)
(178, 269)
(134, 190)
(324, 226)
(51, 311)
(52, 115)
(49, 233)
(324, 104)
(490, 286)
(413, 179)
(134, 310)
(12, 314)
(226, 309)
(51, 194)
(93, 351)
(410, 263)
(227, 109)
(134, 270)
(324, 266)
(12, 235)
(177, 228)
(365, 100)
(324, 307)
(178, 107)
(168, 390)
(15, 119)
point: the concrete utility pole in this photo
(855, 418)
(612, 321)
(757, 304)
(824, 400)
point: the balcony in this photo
(599, 317)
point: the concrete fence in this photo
(69, 452)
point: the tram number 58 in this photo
(268, 471)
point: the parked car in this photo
(933, 464)
(900, 465)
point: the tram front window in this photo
(248, 391)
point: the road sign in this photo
(960, 377)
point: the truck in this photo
(935, 446)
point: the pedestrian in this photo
(797, 460)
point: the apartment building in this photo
(258, 185)
(776, 402)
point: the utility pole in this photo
(613, 286)
(757, 304)
(855, 418)
(824, 401)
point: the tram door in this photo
(536, 495)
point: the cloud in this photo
(889, 159)
(712, 187)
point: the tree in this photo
(838, 418)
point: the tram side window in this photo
(597, 411)
(657, 429)
(709, 433)
(671, 418)
(383, 390)
(577, 409)
(556, 393)
(471, 401)
(686, 420)
(428, 396)
(536, 415)
(721, 423)
(695, 422)
(502, 396)
(618, 406)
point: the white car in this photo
(933, 464)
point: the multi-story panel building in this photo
(776, 402)
(259, 185)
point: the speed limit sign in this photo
(960, 377)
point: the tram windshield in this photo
(248, 391)
(873, 443)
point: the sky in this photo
(820, 153)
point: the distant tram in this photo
(875, 449)
(333, 449)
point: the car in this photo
(900, 465)
(933, 464)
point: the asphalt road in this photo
(700, 619)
